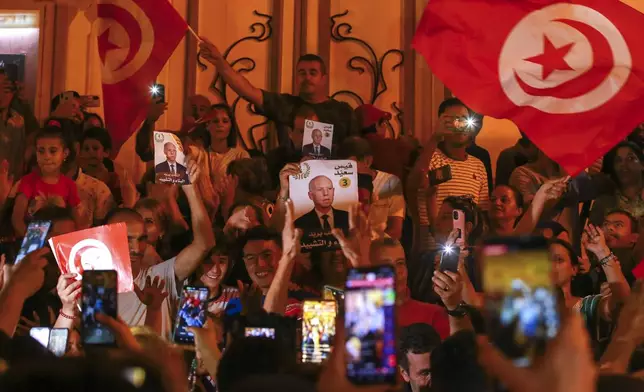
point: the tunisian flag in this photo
(135, 40)
(569, 74)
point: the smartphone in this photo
(458, 221)
(449, 259)
(192, 313)
(90, 101)
(318, 330)
(58, 341)
(440, 175)
(35, 238)
(41, 334)
(370, 324)
(332, 293)
(98, 296)
(158, 91)
(521, 304)
(259, 332)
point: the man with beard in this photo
(312, 80)
(415, 345)
(131, 307)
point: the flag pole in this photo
(194, 33)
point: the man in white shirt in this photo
(173, 271)
(387, 210)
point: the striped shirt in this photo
(468, 178)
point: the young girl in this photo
(46, 185)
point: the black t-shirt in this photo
(282, 108)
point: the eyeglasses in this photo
(266, 255)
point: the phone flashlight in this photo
(154, 90)
(470, 122)
(448, 249)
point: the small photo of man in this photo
(318, 139)
(169, 159)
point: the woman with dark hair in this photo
(624, 166)
(221, 140)
(506, 208)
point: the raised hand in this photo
(152, 295)
(250, 297)
(356, 247)
(291, 169)
(209, 51)
(156, 110)
(194, 170)
(595, 241)
(27, 277)
(291, 237)
(449, 287)
(554, 189)
(69, 290)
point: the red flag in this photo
(135, 40)
(570, 74)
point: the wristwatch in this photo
(460, 311)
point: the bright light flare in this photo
(470, 122)
(154, 90)
(448, 249)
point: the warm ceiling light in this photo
(18, 20)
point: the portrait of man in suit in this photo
(316, 148)
(323, 216)
(171, 166)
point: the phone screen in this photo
(521, 300)
(449, 259)
(99, 296)
(440, 175)
(158, 91)
(318, 330)
(259, 332)
(370, 299)
(41, 334)
(192, 313)
(35, 238)
(58, 341)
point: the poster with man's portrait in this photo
(322, 195)
(169, 160)
(318, 139)
(99, 248)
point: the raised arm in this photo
(620, 290)
(277, 295)
(234, 79)
(547, 196)
(204, 239)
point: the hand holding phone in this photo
(450, 257)
(440, 175)
(192, 313)
(157, 91)
(370, 301)
(34, 238)
(318, 330)
(98, 296)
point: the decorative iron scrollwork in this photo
(341, 32)
(259, 32)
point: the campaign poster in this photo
(322, 195)
(169, 160)
(318, 139)
(99, 248)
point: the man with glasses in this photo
(261, 252)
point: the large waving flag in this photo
(135, 40)
(568, 73)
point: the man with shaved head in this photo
(316, 148)
(323, 216)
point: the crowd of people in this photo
(231, 228)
